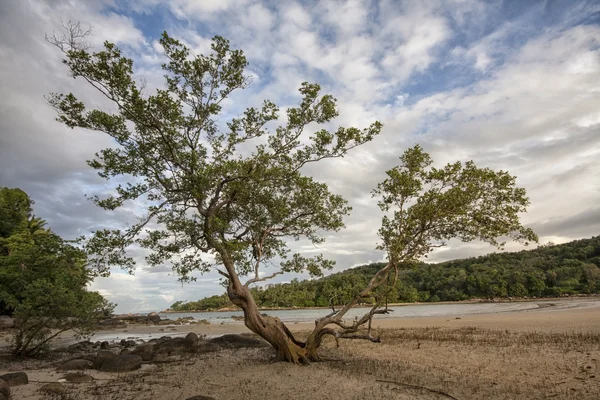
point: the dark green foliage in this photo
(572, 268)
(43, 279)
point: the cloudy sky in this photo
(513, 85)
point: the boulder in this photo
(145, 351)
(160, 357)
(178, 346)
(101, 357)
(15, 378)
(122, 363)
(192, 339)
(6, 322)
(53, 388)
(231, 341)
(4, 389)
(78, 377)
(128, 343)
(104, 345)
(206, 347)
(83, 346)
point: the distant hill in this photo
(548, 271)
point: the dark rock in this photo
(6, 322)
(102, 356)
(125, 351)
(4, 389)
(145, 351)
(80, 347)
(206, 347)
(128, 343)
(160, 357)
(54, 388)
(201, 397)
(231, 341)
(75, 365)
(177, 346)
(122, 363)
(104, 345)
(15, 378)
(192, 339)
(78, 377)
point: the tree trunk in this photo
(270, 328)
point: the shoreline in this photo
(550, 316)
(417, 303)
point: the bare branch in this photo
(72, 39)
(254, 280)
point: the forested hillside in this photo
(550, 270)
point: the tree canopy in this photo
(43, 279)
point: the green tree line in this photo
(548, 271)
(43, 279)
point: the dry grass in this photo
(411, 363)
(474, 363)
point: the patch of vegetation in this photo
(43, 279)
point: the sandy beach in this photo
(550, 352)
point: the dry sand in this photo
(552, 352)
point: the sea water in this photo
(403, 311)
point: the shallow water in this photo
(405, 311)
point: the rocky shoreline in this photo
(78, 360)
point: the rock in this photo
(75, 365)
(178, 345)
(206, 347)
(104, 345)
(4, 389)
(122, 363)
(192, 339)
(165, 322)
(86, 345)
(6, 322)
(78, 377)
(124, 351)
(200, 397)
(102, 356)
(231, 341)
(15, 378)
(160, 357)
(145, 351)
(53, 388)
(128, 343)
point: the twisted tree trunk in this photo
(287, 347)
(269, 328)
